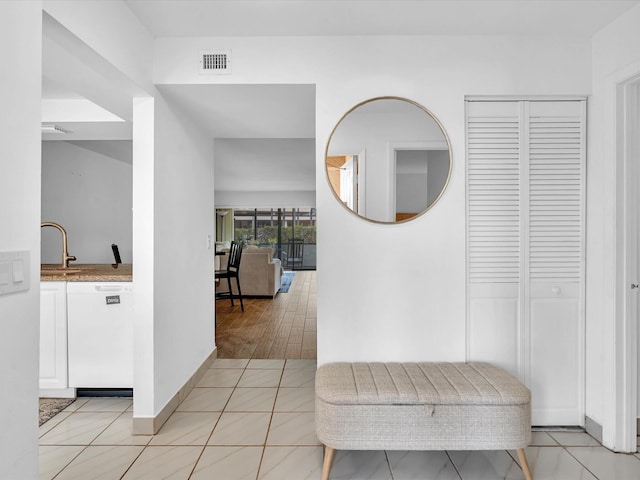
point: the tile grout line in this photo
(84, 447)
(386, 456)
(266, 438)
(206, 443)
(579, 462)
(453, 464)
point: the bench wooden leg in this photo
(524, 464)
(328, 460)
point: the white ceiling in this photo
(191, 18)
(286, 111)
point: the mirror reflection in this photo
(388, 160)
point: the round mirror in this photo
(388, 160)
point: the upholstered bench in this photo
(421, 406)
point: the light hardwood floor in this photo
(284, 327)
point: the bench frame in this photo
(329, 453)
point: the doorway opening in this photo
(346, 176)
(420, 171)
(282, 326)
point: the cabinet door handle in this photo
(634, 285)
(555, 290)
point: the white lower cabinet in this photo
(86, 336)
(53, 340)
(100, 319)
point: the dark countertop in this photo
(99, 272)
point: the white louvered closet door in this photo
(525, 237)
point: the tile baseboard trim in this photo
(593, 428)
(151, 425)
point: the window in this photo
(277, 228)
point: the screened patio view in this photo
(291, 232)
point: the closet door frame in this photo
(620, 429)
(524, 317)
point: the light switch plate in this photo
(14, 272)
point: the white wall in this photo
(183, 211)
(368, 309)
(280, 170)
(285, 199)
(616, 58)
(113, 31)
(90, 195)
(20, 91)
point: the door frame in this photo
(392, 149)
(627, 151)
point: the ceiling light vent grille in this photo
(215, 62)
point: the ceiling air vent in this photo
(216, 62)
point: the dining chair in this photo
(232, 271)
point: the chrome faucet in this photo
(65, 248)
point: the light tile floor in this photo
(254, 420)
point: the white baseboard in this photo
(151, 425)
(57, 393)
(593, 428)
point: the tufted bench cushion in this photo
(421, 406)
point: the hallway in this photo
(282, 328)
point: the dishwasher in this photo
(100, 334)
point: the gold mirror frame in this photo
(444, 136)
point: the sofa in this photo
(260, 273)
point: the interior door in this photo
(556, 172)
(361, 186)
(525, 248)
(348, 183)
(495, 320)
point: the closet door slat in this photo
(493, 189)
(555, 192)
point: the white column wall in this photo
(173, 264)
(184, 211)
(616, 58)
(20, 92)
(144, 380)
(392, 292)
